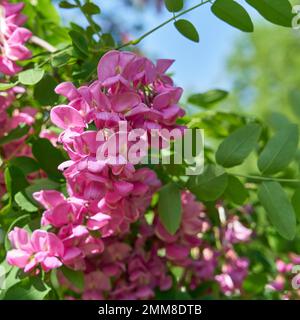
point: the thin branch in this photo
(43, 44)
(174, 17)
(261, 178)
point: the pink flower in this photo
(235, 232)
(41, 247)
(12, 37)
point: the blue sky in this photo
(199, 66)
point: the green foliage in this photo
(279, 151)
(48, 157)
(275, 11)
(75, 277)
(187, 29)
(31, 76)
(233, 13)
(208, 99)
(169, 207)
(237, 147)
(15, 134)
(278, 208)
(174, 5)
(209, 185)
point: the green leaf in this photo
(75, 277)
(275, 11)
(67, 5)
(207, 99)
(6, 86)
(35, 290)
(26, 164)
(238, 145)
(90, 8)
(279, 209)
(31, 76)
(187, 29)
(279, 151)
(15, 180)
(296, 203)
(44, 91)
(169, 207)
(174, 5)
(40, 184)
(209, 185)
(60, 60)
(236, 192)
(15, 134)
(79, 41)
(233, 13)
(24, 203)
(48, 157)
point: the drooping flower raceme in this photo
(12, 37)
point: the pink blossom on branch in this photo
(12, 37)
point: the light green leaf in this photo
(279, 151)
(279, 209)
(275, 11)
(169, 207)
(31, 76)
(238, 145)
(6, 86)
(209, 185)
(24, 203)
(233, 13)
(187, 29)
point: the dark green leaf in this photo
(75, 277)
(15, 134)
(31, 76)
(67, 5)
(209, 185)
(48, 157)
(90, 8)
(279, 209)
(26, 164)
(174, 5)
(207, 99)
(233, 13)
(279, 151)
(187, 29)
(275, 11)
(296, 203)
(15, 180)
(44, 91)
(236, 192)
(237, 146)
(169, 207)
(79, 42)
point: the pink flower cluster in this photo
(134, 266)
(12, 37)
(100, 229)
(105, 199)
(286, 278)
